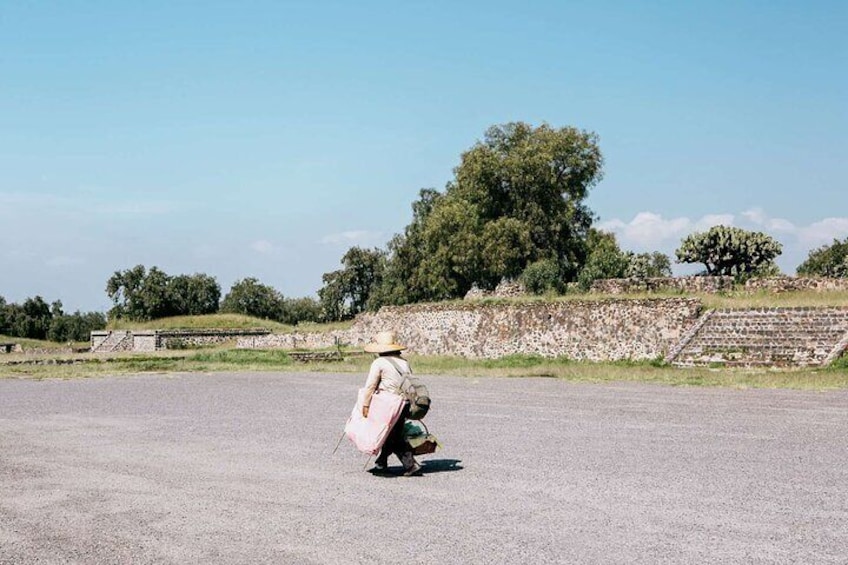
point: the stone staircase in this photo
(765, 337)
(115, 341)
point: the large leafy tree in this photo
(517, 197)
(727, 250)
(403, 280)
(827, 261)
(194, 295)
(123, 288)
(252, 298)
(346, 292)
(141, 294)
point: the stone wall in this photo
(789, 284)
(156, 340)
(301, 340)
(714, 285)
(506, 289)
(593, 330)
(182, 339)
(702, 285)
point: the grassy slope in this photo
(39, 344)
(220, 321)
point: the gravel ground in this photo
(238, 468)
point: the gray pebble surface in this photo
(238, 468)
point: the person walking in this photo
(386, 374)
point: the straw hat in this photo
(383, 343)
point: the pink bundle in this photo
(369, 434)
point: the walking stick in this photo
(341, 437)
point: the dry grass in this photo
(230, 360)
(647, 372)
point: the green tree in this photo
(540, 176)
(297, 310)
(401, 282)
(506, 245)
(252, 298)
(75, 327)
(4, 327)
(542, 277)
(194, 295)
(827, 261)
(154, 295)
(123, 289)
(517, 197)
(649, 265)
(30, 319)
(347, 292)
(606, 260)
(727, 250)
(139, 294)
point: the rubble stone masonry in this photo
(593, 330)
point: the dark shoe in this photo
(381, 463)
(410, 465)
(414, 470)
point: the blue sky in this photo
(265, 138)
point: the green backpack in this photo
(414, 391)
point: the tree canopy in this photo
(827, 261)
(727, 250)
(252, 298)
(346, 292)
(517, 198)
(139, 294)
(35, 319)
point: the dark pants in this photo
(395, 443)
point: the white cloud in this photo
(262, 247)
(755, 215)
(353, 237)
(824, 231)
(648, 230)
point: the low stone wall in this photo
(506, 289)
(302, 340)
(145, 341)
(714, 285)
(702, 285)
(181, 339)
(789, 284)
(595, 330)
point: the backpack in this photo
(414, 391)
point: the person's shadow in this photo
(428, 467)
